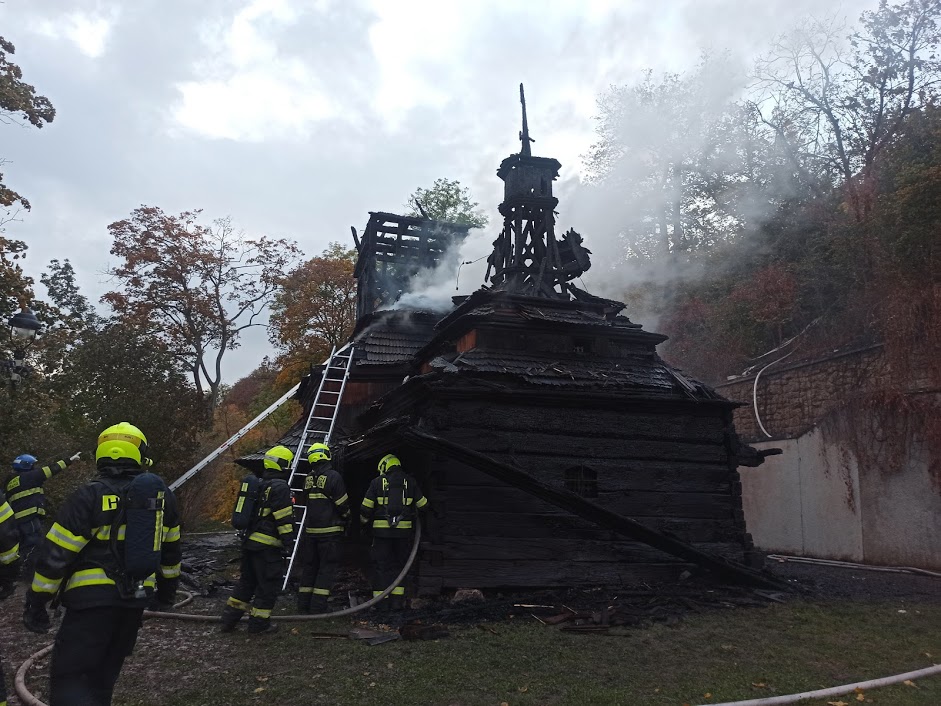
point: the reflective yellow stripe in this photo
(323, 530)
(305, 589)
(6, 512)
(158, 522)
(264, 539)
(29, 511)
(43, 585)
(285, 529)
(11, 555)
(61, 464)
(65, 539)
(170, 572)
(384, 524)
(88, 577)
(317, 496)
(261, 612)
(265, 512)
(368, 503)
(398, 591)
(382, 500)
(283, 512)
(236, 603)
(342, 499)
(321, 592)
(23, 493)
(47, 472)
(171, 534)
(104, 533)
(376, 593)
(422, 501)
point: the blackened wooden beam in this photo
(728, 570)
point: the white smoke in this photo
(461, 270)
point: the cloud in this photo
(89, 32)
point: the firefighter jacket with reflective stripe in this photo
(327, 502)
(24, 490)
(77, 554)
(274, 527)
(9, 538)
(375, 507)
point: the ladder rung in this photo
(326, 418)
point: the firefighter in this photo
(264, 548)
(26, 497)
(327, 514)
(9, 558)
(390, 508)
(87, 561)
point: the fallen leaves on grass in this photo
(909, 682)
(523, 689)
(759, 684)
(837, 703)
(259, 689)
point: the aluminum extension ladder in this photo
(323, 413)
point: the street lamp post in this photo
(24, 327)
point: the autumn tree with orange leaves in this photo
(194, 287)
(314, 310)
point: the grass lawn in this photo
(711, 657)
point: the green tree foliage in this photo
(447, 201)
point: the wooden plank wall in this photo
(666, 470)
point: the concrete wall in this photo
(815, 500)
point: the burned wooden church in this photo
(554, 444)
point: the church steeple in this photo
(527, 258)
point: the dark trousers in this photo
(389, 555)
(320, 559)
(31, 534)
(259, 584)
(89, 651)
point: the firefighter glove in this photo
(77, 456)
(35, 616)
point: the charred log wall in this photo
(670, 471)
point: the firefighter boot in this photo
(318, 605)
(396, 603)
(230, 618)
(303, 603)
(258, 626)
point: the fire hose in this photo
(28, 699)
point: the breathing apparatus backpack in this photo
(396, 489)
(247, 506)
(141, 507)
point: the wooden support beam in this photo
(573, 503)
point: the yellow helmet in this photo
(389, 462)
(121, 442)
(278, 458)
(318, 452)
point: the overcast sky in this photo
(297, 117)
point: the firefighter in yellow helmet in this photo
(114, 548)
(390, 509)
(268, 538)
(327, 513)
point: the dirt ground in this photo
(192, 659)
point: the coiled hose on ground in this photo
(19, 683)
